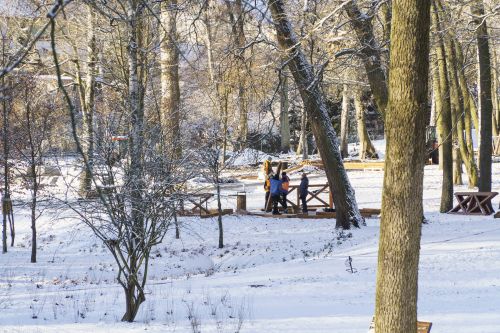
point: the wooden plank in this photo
(363, 165)
(216, 213)
(294, 168)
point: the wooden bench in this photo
(474, 203)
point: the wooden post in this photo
(241, 201)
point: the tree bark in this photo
(457, 169)
(237, 20)
(303, 146)
(470, 112)
(494, 93)
(366, 149)
(344, 122)
(484, 95)
(169, 63)
(457, 107)
(314, 105)
(284, 116)
(219, 217)
(370, 55)
(87, 96)
(400, 226)
(135, 297)
(444, 123)
(5, 139)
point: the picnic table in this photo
(474, 203)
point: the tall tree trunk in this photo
(366, 149)
(370, 54)
(314, 105)
(457, 106)
(344, 122)
(284, 116)
(169, 63)
(438, 106)
(494, 92)
(484, 95)
(468, 102)
(444, 123)
(5, 139)
(400, 226)
(33, 170)
(135, 296)
(87, 96)
(457, 169)
(237, 19)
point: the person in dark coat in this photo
(285, 185)
(276, 192)
(304, 186)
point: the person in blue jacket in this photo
(276, 192)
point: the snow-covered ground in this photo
(274, 275)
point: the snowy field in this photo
(274, 275)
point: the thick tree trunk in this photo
(444, 123)
(366, 148)
(133, 300)
(484, 95)
(370, 54)
(344, 122)
(400, 226)
(169, 63)
(284, 116)
(314, 105)
(457, 168)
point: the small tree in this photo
(113, 217)
(210, 156)
(34, 117)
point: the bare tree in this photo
(209, 156)
(34, 119)
(135, 206)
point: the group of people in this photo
(277, 189)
